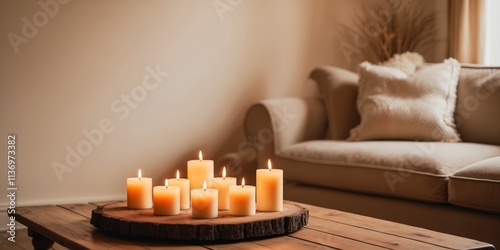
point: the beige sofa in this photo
(448, 187)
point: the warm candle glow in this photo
(269, 164)
(178, 176)
(224, 173)
(200, 156)
(139, 174)
(204, 185)
(166, 183)
(243, 182)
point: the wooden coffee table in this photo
(69, 225)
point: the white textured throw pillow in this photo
(407, 62)
(397, 106)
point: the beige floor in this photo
(23, 241)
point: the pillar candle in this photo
(242, 200)
(269, 189)
(183, 184)
(204, 203)
(200, 171)
(222, 185)
(139, 192)
(166, 200)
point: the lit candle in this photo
(204, 202)
(242, 199)
(166, 200)
(139, 192)
(222, 184)
(269, 189)
(183, 184)
(200, 171)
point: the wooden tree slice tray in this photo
(117, 219)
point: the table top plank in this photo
(243, 245)
(437, 239)
(102, 203)
(74, 231)
(84, 210)
(287, 242)
(367, 236)
(332, 240)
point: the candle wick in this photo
(223, 177)
(204, 189)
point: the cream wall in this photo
(73, 73)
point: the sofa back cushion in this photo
(477, 111)
(338, 89)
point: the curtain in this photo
(467, 30)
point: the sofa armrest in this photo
(271, 125)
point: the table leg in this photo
(39, 241)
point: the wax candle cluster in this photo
(206, 195)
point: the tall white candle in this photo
(204, 203)
(139, 192)
(183, 184)
(242, 199)
(269, 189)
(200, 171)
(222, 184)
(166, 200)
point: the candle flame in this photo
(139, 174)
(166, 183)
(200, 155)
(204, 185)
(177, 174)
(243, 182)
(269, 164)
(224, 173)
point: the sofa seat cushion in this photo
(477, 186)
(414, 170)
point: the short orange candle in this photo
(204, 202)
(166, 200)
(270, 189)
(200, 171)
(183, 184)
(242, 199)
(139, 192)
(222, 184)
